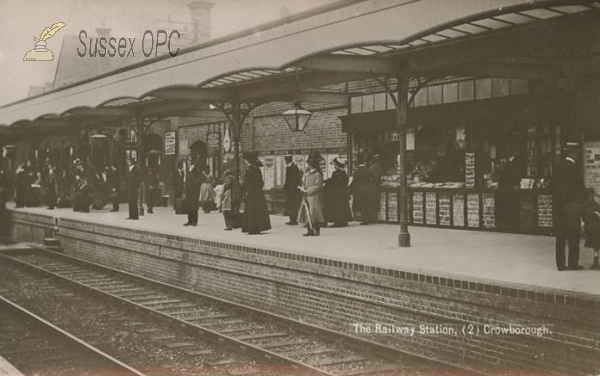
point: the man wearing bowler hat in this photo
(293, 196)
(569, 196)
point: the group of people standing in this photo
(83, 187)
(134, 181)
(312, 200)
(195, 188)
(72, 186)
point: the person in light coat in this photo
(311, 210)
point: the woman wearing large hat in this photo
(311, 211)
(256, 215)
(337, 197)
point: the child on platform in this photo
(592, 226)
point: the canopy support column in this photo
(236, 113)
(401, 103)
(401, 108)
(140, 157)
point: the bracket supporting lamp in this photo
(297, 119)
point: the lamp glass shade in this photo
(297, 119)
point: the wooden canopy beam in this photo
(273, 89)
(504, 70)
(350, 64)
(103, 112)
(312, 96)
(191, 94)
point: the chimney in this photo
(201, 20)
(103, 32)
(102, 65)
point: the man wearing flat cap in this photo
(293, 196)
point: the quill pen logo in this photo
(40, 52)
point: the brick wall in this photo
(335, 294)
(271, 132)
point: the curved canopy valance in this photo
(337, 44)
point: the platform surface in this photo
(490, 256)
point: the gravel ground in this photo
(198, 316)
(127, 343)
(37, 352)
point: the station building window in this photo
(444, 93)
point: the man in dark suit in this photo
(178, 181)
(193, 180)
(507, 197)
(114, 181)
(362, 189)
(569, 196)
(133, 188)
(377, 172)
(293, 196)
(21, 185)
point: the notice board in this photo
(592, 165)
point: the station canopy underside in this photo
(307, 57)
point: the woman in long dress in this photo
(207, 193)
(311, 209)
(256, 215)
(337, 197)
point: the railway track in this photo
(35, 347)
(265, 340)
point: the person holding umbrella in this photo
(311, 211)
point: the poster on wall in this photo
(184, 147)
(280, 170)
(268, 172)
(170, 144)
(410, 139)
(592, 165)
(213, 141)
(470, 170)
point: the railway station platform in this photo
(355, 278)
(511, 259)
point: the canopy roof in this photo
(346, 41)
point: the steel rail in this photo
(200, 330)
(79, 342)
(361, 345)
